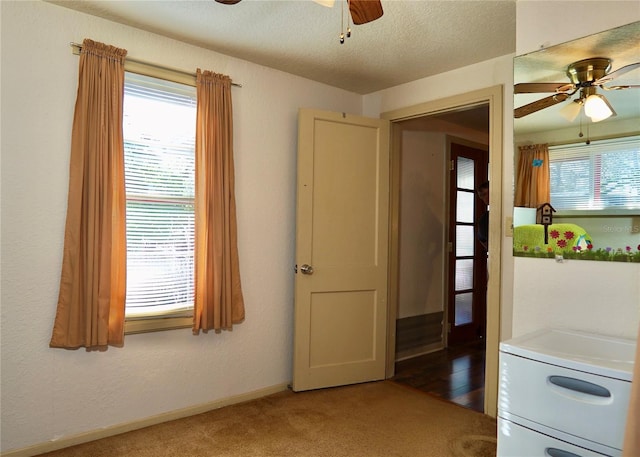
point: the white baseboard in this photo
(138, 424)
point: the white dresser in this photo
(563, 393)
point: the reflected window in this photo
(602, 174)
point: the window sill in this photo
(156, 324)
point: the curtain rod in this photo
(597, 138)
(76, 48)
(552, 144)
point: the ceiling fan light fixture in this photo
(597, 108)
(571, 110)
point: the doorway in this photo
(442, 268)
(443, 113)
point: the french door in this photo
(467, 284)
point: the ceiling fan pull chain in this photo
(588, 142)
(342, 24)
(580, 135)
(342, 34)
(349, 19)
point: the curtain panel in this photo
(91, 301)
(532, 176)
(218, 302)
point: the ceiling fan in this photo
(362, 11)
(586, 77)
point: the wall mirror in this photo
(591, 162)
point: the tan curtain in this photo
(91, 300)
(631, 447)
(218, 295)
(532, 176)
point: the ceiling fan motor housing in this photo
(586, 76)
(584, 72)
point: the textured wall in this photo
(422, 214)
(53, 393)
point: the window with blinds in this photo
(159, 153)
(603, 175)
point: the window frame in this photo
(158, 323)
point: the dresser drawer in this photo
(517, 441)
(582, 404)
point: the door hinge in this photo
(451, 165)
(450, 246)
(448, 328)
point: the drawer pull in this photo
(578, 385)
(555, 452)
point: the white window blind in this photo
(601, 175)
(159, 143)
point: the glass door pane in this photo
(465, 241)
(465, 206)
(466, 173)
(464, 310)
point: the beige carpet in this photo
(375, 419)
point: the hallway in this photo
(455, 374)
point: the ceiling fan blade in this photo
(228, 2)
(363, 11)
(627, 86)
(530, 88)
(539, 104)
(616, 73)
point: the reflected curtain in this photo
(631, 447)
(91, 301)
(532, 176)
(218, 302)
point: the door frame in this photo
(493, 96)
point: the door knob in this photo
(306, 269)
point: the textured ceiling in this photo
(412, 40)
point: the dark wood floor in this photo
(455, 374)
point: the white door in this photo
(340, 327)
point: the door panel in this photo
(357, 316)
(467, 258)
(340, 320)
